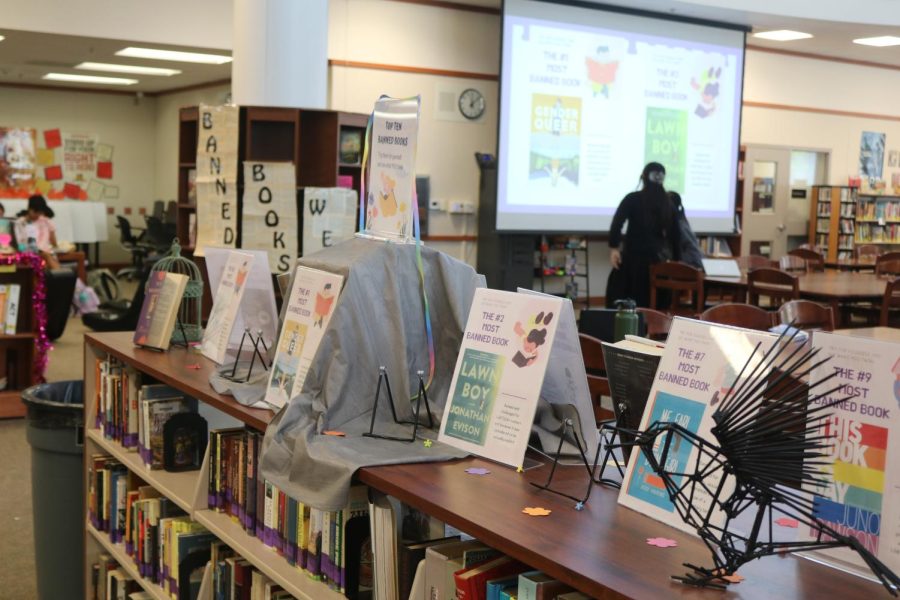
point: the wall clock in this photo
(471, 104)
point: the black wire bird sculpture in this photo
(768, 429)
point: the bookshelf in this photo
(878, 220)
(17, 350)
(832, 220)
(727, 245)
(600, 551)
(186, 489)
(564, 259)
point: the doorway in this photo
(777, 191)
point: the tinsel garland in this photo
(39, 302)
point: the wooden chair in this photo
(677, 278)
(658, 323)
(776, 285)
(887, 266)
(595, 366)
(867, 252)
(890, 300)
(754, 261)
(814, 260)
(807, 315)
(815, 248)
(739, 315)
(793, 264)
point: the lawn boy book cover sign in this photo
(697, 368)
(861, 463)
(499, 374)
(311, 303)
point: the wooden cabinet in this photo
(18, 350)
(832, 220)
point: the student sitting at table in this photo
(36, 232)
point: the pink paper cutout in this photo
(787, 522)
(661, 542)
(195, 366)
(477, 471)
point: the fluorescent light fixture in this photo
(110, 68)
(880, 41)
(782, 35)
(173, 55)
(2, 38)
(73, 78)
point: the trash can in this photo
(55, 431)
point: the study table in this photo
(881, 334)
(851, 264)
(600, 550)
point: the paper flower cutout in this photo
(335, 433)
(733, 578)
(428, 443)
(661, 542)
(579, 506)
(519, 469)
(787, 522)
(536, 511)
(195, 366)
(477, 471)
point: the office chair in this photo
(135, 247)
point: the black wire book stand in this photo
(420, 397)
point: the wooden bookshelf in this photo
(17, 351)
(600, 551)
(189, 489)
(832, 220)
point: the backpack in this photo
(104, 284)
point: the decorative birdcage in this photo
(188, 327)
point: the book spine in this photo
(12, 309)
(212, 448)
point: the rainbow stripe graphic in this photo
(852, 502)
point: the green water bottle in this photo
(626, 321)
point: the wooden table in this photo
(602, 550)
(882, 334)
(851, 264)
(78, 259)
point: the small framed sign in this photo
(184, 442)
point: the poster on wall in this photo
(269, 216)
(871, 155)
(217, 164)
(79, 157)
(391, 181)
(329, 217)
(17, 161)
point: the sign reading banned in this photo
(217, 145)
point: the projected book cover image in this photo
(555, 140)
(499, 374)
(311, 303)
(861, 495)
(666, 142)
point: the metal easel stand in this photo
(579, 502)
(422, 395)
(256, 342)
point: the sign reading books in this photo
(245, 298)
(499, 374)
(329, 217)
(269, 219)
(861, 496)
(697, 368)
(312, 301)
(391, 182)
(217, 164)
(160, 309)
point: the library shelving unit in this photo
(878, 220)
(832, 220)
(17, 350)
(186, 489)
(564, 259)
(311, 139)
(600, 550)
(721, 245)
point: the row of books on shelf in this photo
(871, 233)
(845, 226)
(134, 413)
(9, 307)
(329, 546)
(847, 194)
(876, 211)
(110, 582)
(845, 242)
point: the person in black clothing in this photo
(653, 236)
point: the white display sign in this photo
(329, 217)
(217, 152)
(269, 220)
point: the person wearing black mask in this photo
(652, 236)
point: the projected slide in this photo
(588, 97)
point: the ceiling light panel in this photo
(173, 55)
(75, 78)
(782, 35)
(133, 69)
(880, 41)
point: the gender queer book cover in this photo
(499, 374)
(555, 140)
(311, 303)
(861, 496)
(697, 369)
